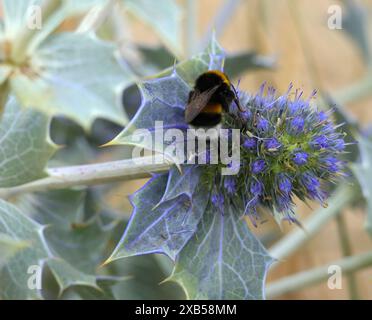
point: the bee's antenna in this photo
(237, 86)
(236, 100)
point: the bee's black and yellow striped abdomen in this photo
(211, 114)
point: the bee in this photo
(212, 95)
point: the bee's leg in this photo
(226, 106)
(237, 102)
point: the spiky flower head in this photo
(288, 149)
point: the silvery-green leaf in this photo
(84, 247)
(145, 277)
(223, 260)
(162, 99)
(363, 173)
(183, 183)
(61, 208)
(164, 18)
(141, 276)
(75, 232)
(5, 71)
(165, 99)
(73, 75)
(79, 7)
(18, 277)
(14, 276)
(238, 63)
(212, 58)
(158, 58)
(92, 293)
(160, 225)
(9, 247)
(25, 147)
(38, 17)
(19, 14)
(67, 276)
(16, 14)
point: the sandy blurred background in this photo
(311, 56)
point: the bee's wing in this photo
(197, 102)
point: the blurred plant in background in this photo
(82, 79)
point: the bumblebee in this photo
(212, 95)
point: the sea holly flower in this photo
(246, 115)
(258, 166)
(322, 116)
(332, 163)
(256, 188)
(194, 213)
(339, 144)
(263, 125)
(284, 202)
(312, 186)
(250, 143)
(272, 144)
(230, 185)
(297, 124)
(319, 142)
(300, 158)
(284, 184)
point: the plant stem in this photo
(92, 174)
(316, 275)
(357, 91)
(296, 239)
(347, 252)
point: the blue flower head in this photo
(256, 188)
(285, 184)
(322, 116)
(250, 143)
(258, 166)
(297, 124)
(246, 115)
(288, 149)
(332, 163)
(272, 144)
(263, 125)
(300, 158)
(319, 142)
(230, 184)
(339, 144)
